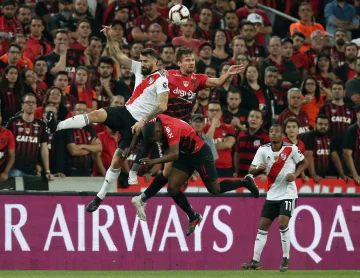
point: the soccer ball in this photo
(179, 14)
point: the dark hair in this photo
(37, 18)
(18, 90)
(88, 94)
(298, 34)
(28, 95)
(149, 52)
(244, 23)
(61, 31)
(168, 45)
(338, 82)
(223, 65)
(182, 51)
(291, 120)
(18, 35)
(206, 7)
(212, 67)
(271, 69)
(276, 125)
(321, 116)
(323, 55)
(47, 95)
(81, 21)
(245, 81)
(80, 102)
(230, 12)
(14, 45)
(8, 3)
(94, 38)
(340, 30)
(317, 88)
(238, 37)
(148, 131)
(351, 44)
(226, 46)
(256, 110)
(214, 102)
(40, 59)
(61, 72)
(23, 6)
(106, 60)
(50, 105)
(233, 90)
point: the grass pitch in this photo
(179, 274)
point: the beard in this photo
(145, 71)
(65, 13)
(250, 7)
(202, 98)
(340, 42)
(8, 17)
(105, 75)
(350, 59)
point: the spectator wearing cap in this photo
(9, 25)
(290, 75)
(251, 7)
(150, 16)
(156, 36)
(231, 25)
(203, 30)
(187, 30)
(340, 14)
(256, 51)
(46, 8)
(257, 20)
(36, 45)
(306, 26)
(205, 53)
(299, 58)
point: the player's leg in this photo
(269, 212)
(79, 121)
(180, 173)
(286, 209)
(114, 171)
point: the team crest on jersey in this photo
(27, 130)
(276, 158)
(151, 80)
(283, 156)
(257, 143)
(318, 141)
(36, 131)
(186, 83)
(20, 129)
(348, 112)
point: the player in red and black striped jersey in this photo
(31, 140)
(351, 149)
(248, 142)
(340, 114)
(7, 152)
(319, 150)
(183, 85)
(189, 153)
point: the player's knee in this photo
(172, 190)
(97, 116)
(116, 160)
(214, 188)
(283, 224)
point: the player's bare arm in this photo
(303, 164)
(120, 57)
(257, 169)
(171, 155)
(218, 82)
(161, 107)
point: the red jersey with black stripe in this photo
(182, 95)
(7, 143)
(179, 132)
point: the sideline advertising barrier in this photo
(48, 231)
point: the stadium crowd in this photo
(304, 75)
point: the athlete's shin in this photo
(260, 242)
(285, 242)
(110, 178)
(158, 182)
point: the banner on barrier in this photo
(55, 232)
(325, 186)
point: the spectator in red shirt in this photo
(187, 30)
(150, 16)
(300, 59)
(31, 84)
(224, 139)
(251, 7)
(7, 153)
(9, 25)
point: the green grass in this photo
(179, 274)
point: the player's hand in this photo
(146, 161)
(136, 128)
(317, 179)
(261, 167)
(4, 176)
(50, 176)
(357, 180)
(346, 179)
(235, 69)
(262, 177)
(290, 177)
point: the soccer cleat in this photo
(284, 264)
(193, 224)
(133, 178)
(94, 204)
(252, 187)
(140, 207)
(251, 265)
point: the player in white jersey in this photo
(281, 163)
(149, 99)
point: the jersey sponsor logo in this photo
(182, 93)
(169, 132)
(165, 85)
(29, 139)
(323, 152)
(340, 119)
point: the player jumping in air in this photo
(189, 153)
(149, 99)
(183, 84)
(277, 162)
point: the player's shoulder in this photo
(265, 146)
(287, 144)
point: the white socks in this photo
(78, 121)
(260, 242)
(110, 178)
(285, 242)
